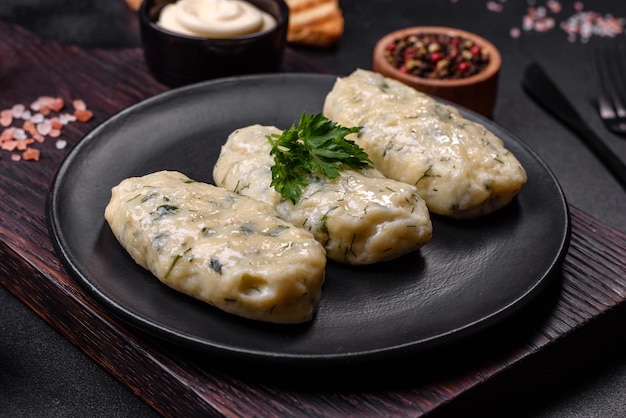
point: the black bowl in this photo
(176, 59)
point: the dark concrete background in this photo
(42, 374)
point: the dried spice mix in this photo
(437, 56)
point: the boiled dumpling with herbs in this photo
(459, 168)
(360, 216)
(222, 248)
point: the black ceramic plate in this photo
(471, 274)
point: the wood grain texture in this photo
(591, 286)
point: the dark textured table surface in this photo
(42, 374)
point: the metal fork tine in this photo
(620, 70)
(609, 70)
(602, 76)
(615, 66)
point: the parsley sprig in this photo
(316, 144)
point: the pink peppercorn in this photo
(463, 66)
(435, 57)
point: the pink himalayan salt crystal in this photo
(44, 127)
(494, 7)
(554, 6)
(6, 118)
(19, 133)
(79, 104)
(18, 110)
(37, 118)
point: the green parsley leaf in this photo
(315, 145)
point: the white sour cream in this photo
(214, 18)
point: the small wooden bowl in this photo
(477, 92)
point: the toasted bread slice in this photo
(134, 4)
(317, 23)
